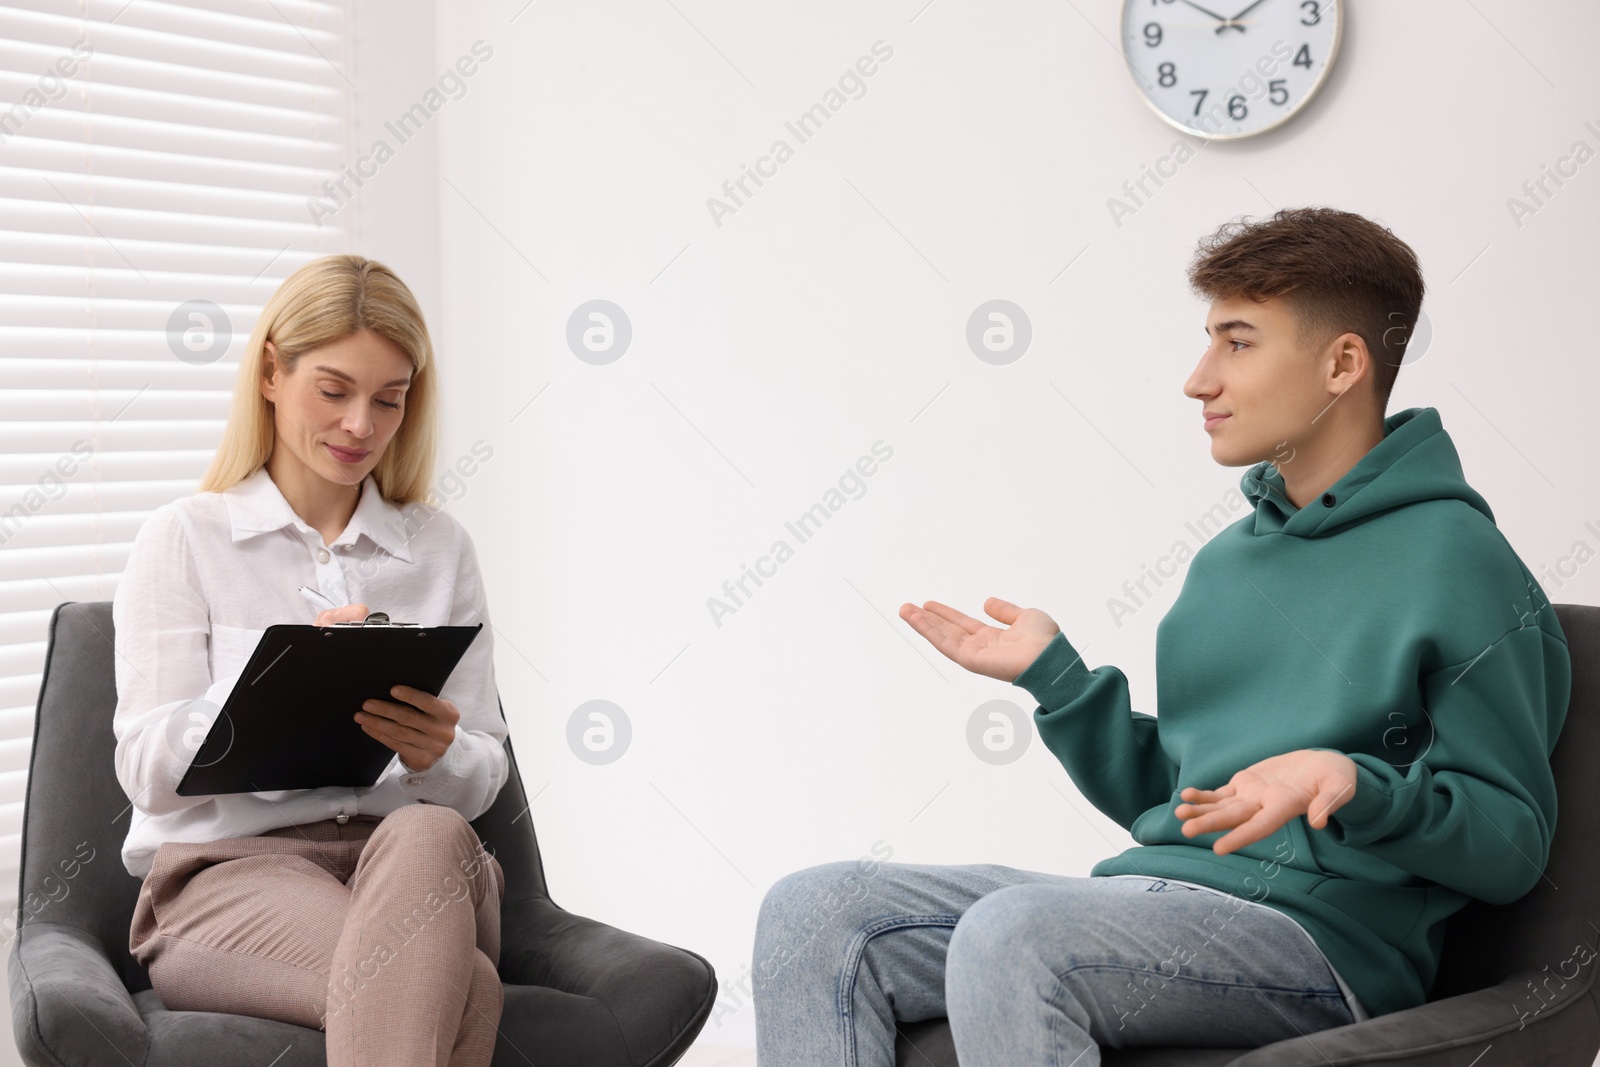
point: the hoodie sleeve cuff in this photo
(1364, 815)
(1056, 676)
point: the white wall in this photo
(829, 312)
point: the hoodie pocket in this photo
(1143, 821)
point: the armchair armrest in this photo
(543, 945)
(1506, 1015)
(657, 992)
(67, 1003)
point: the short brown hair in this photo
(1338, 271)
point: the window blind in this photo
(158, 161)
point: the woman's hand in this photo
(1264, 796)
(348, 613)
(979, 647)
(417, 724)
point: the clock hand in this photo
(1213, 14)
(1233, 23)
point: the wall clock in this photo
(1221, 71)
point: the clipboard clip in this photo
(376, 618)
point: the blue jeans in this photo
(1030, 968)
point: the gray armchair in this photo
(576, 991)
(1517, 977)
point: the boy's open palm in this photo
(979, 647)
(1260, 799)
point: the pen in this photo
(316, 597)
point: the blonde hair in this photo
(325, 301)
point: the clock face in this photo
(1223, 69)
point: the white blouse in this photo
(207, 574)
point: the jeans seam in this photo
(852, 965)
(1063, 993)
(1334, 994)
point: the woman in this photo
(372, 913)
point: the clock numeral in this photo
(1237, 106)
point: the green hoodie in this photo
(1389, 620)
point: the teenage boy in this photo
(1360, 685)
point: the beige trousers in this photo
(382, 931)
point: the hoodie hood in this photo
(1415, 461)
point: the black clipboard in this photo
(290, 721)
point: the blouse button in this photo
(322, 555)
(341, 818)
